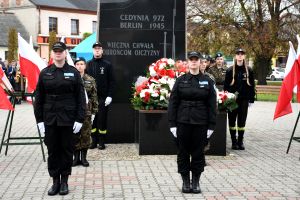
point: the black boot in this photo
(186, 184)
(85, 163)
(233, 140)
(64, 189)
(101, 141)
(94, 141)
(55, 187)
(195, 183)
(240, 142)
(76, 160)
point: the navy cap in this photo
(97, 44)
(79, 59)
(59, 45)
(194, 54)
(240, 50)
(219, 54)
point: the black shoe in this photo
(64, 189)
(84, 162)
(55, 187)
(235, 146)
(195, 183)
(186, 184)
(94, 141)
(101, 142)
(240, 143)
(76, 160)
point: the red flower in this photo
(147, 97)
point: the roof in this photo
(90, 5)
(7, 21)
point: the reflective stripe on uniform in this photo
(102, 131)
(241, 128)
(232, 128)
(93, 130)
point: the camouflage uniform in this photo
(84, 138)
(219, 75)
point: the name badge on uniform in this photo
(101, 70)
(203, 83)
(68, 74)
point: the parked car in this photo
(277, 74)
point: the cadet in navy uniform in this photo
(192, 118)
(102, 71)
(59, 110)
(239, 79)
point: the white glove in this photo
(174, 131)
(41, 126)
(108, 101)
(209, 133)
(92, 118)
(250, 105)
(77, 126)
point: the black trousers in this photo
(60, 143)
(100, 121)
(191, 140)
(239, 114)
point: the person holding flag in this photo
(59, 110)
(239, 79)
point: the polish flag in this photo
(4, 102)
(30, 63)
(291, 80)
(4, 80)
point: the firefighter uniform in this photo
(83, 140)
(243, 86)
(192, 109)
(102, 71)
(59, 102)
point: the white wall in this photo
(2, 52)
(64, 22)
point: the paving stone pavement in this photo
(262, 171)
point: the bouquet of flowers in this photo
(226, 101)
(153, 92)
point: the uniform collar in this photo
(54, 68)
(190, 76)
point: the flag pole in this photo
(292, 136)
(98, 20)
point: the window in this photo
(94, 26)
(53, 24)
(74, 27)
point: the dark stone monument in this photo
(134, 34)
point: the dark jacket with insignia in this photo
(193, 101)
(59, 96)
(240, 85)
(102, 71)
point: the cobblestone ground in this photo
(262, 171)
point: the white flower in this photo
(171, 61)
(155, 94)
(162, 98)
(162, 66)
(152, 71)
(142, 94)
(230, 95)
(164, 91)
(163, 80)
(140, 80)
(171, 82)
(220, 101)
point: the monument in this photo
(134, 34)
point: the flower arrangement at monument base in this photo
(153, 91)
(226, 101)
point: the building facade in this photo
(69, 19)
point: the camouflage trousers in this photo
(83, 139)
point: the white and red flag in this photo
(292, 79)
(31, 63)
(4, 102)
